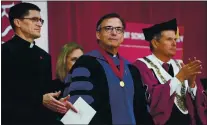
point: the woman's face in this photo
(71, 58)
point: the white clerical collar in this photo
(160, 61)
(31, 45)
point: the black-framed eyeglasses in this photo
(35, 19)
(110, 29)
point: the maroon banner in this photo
(6, 29)
(135, 46)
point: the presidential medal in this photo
(121, 83)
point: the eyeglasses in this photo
(35, 19)
(109, 29)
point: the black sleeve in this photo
(99, 91)
(141, 113)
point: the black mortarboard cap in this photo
(157, 28)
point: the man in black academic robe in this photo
(108, 82)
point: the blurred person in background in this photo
(69, 53)
(66, 59)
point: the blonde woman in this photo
(68, 55)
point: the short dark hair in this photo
(20, 10)
(107, 16)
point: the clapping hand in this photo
(189, 71)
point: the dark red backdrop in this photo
(75, 21)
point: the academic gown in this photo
(161, 102)
(93, 80)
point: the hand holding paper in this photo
(84, 115)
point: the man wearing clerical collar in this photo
(110, 84)
(173, 95)
(27, 96)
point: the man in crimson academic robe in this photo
(173, 95)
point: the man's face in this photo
(167, 44)
(30, 25)
(71, 58)
(111, 33)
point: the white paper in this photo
(84, 115)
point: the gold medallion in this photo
(121, 83)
